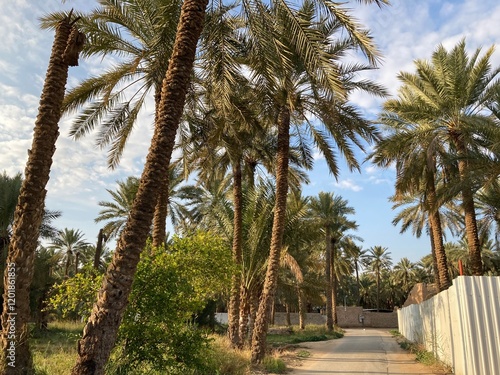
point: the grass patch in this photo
(274, 365)
(54, 351)
(296, 336)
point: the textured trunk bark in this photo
(271, 280)
(234, 299)
(244, 313)
(328, 277)
(471, 231)
(437, 234)
(29, 211)
(434, 261)
(254, 307)
(99, 335)
(160, 215)
(161, 209)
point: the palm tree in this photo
(357, 256)
(71, 244)
(330, 213)
(102, 327)
(446, 98)
(378, 260)
(297, 83)
(29, 211)
(416, 152)
(404, 273)
(141, 34)
(117, 211)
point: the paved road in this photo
(370, 351)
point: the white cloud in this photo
(348, 184)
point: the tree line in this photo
(235, 88)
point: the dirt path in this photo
(370, 351)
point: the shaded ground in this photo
(370, 351)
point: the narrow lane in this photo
(370, 351)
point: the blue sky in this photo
(406, 31)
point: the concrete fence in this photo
(461, 325)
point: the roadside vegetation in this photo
(421, 354)
(54, 351)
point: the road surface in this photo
(370, 351)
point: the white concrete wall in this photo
(461, 325)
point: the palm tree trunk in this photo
(356, 263)
(378, 288)
(434, 261)
(161, 209)
(288, 321)
(244, 312)
(160, 215)
(437, 234)
(334, 284)
(271, 280)
(476, 264)
(302, 308)
(100, 333)
(68, 263)
(98, 249)
(254, 307)
(328, 276)
(29, 211)
(234, 299)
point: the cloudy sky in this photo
(406, 31)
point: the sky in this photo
(405, 31)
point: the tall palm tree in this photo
(29, 210)
(140, 33)
(306, 78)
(416, 152)
(378, 260)
(357, 256)
(102, 327)
(330, 213)
(447, 98)
(71, 244)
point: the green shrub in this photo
(170, 288)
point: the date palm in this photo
(404, 273)
(101, 330)
(29, 211)
(447, 96)
(330, 213)
(297, 81)
(416, 153)
(70, 244)
(140, 34)
(378, 260)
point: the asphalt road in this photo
(370, 351)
